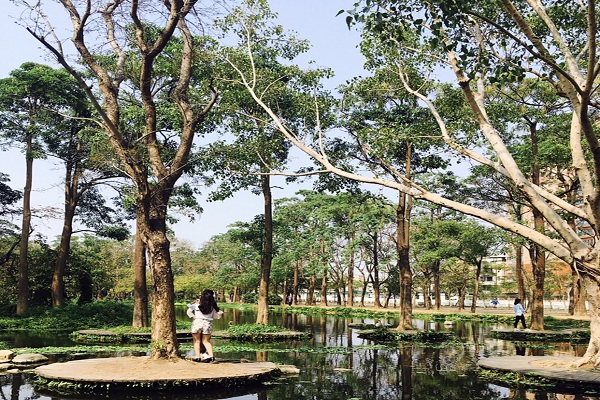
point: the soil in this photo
(145, 369)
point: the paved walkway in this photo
(553, 368)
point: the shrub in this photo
(252, 298)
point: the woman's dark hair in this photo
(207, 302)
(517, 301)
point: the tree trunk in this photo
(23, 286)
(462, 294)
(427, 295)
(577, 298)
(350, 284)
(476, 290)
(436, 285)
(164, 338)
(73, 172)
(375, 276)
(310, 295)
(58, 284)
(296, 283)
(592, 287)
(538, 265)
(324, 287)
(364, 290)
(266, 258)
(140, 288)
(519, 272)
(537, 253)
(151, 213)
(404, 271)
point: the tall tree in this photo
(379, 107)
(481, 43)
(257, 148)
(72, 143)
(32, 99)
(149, 63)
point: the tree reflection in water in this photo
(336, 364)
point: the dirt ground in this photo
(144, 369)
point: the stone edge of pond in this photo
(556, 369)
(143, 373)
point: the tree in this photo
(473, 242)
(244, 163)
(32, 100)
(482, 44)
(378, 107)
(149, 64)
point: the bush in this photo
(252, 298)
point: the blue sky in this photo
(333, 46)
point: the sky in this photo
(333, 46)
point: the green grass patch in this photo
(552, 323)
(96, 315)
(263, 333)
(385, 335)
(341, 350)
(255, 328)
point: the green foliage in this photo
(82, 349)
(8, 196)
(464, 317)
(385, 335)
(252, 298)
(96, 315)
(551, 323)
(341, 350)
(263, 333)
(254, 329)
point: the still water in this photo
(336, 364)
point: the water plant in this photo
(260, 333)
(385, 335)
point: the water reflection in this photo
(336, 364)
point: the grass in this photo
(71, 317)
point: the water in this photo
(336, 364)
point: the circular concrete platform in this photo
(553, 368)
(123, 373)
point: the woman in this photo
(519, 313)
(205, 310)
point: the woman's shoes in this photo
(204, 358)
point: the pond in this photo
(336, 364)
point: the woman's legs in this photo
(207, 345)
(197, 338)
